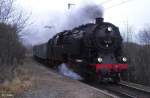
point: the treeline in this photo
(139, 58)
(12, 51)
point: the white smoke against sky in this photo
(81, 14)
(51, 22)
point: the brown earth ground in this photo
(36, 81)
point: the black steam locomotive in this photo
(94, 49)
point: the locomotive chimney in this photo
(99, 20)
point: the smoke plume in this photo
(52, 22)
(82, 14)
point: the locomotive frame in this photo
(94, 49)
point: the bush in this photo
(12, 52)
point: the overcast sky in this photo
(45, 13)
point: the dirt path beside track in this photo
(45, 83)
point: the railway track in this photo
(122, 91)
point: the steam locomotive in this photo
(94, 50)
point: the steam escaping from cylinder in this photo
(66, 71)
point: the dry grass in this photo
(33, 80)
(19, 84)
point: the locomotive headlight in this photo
(99, 60)
(109, 29)
(124, 59)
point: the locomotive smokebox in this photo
(99, 20)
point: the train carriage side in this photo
(40, 52)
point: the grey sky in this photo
(49, 12)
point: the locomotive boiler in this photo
(94, 50)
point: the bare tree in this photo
(128, 32)
(139, 56)
(12, 51)
(144, 37)
(127, 49)
(10, 15)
